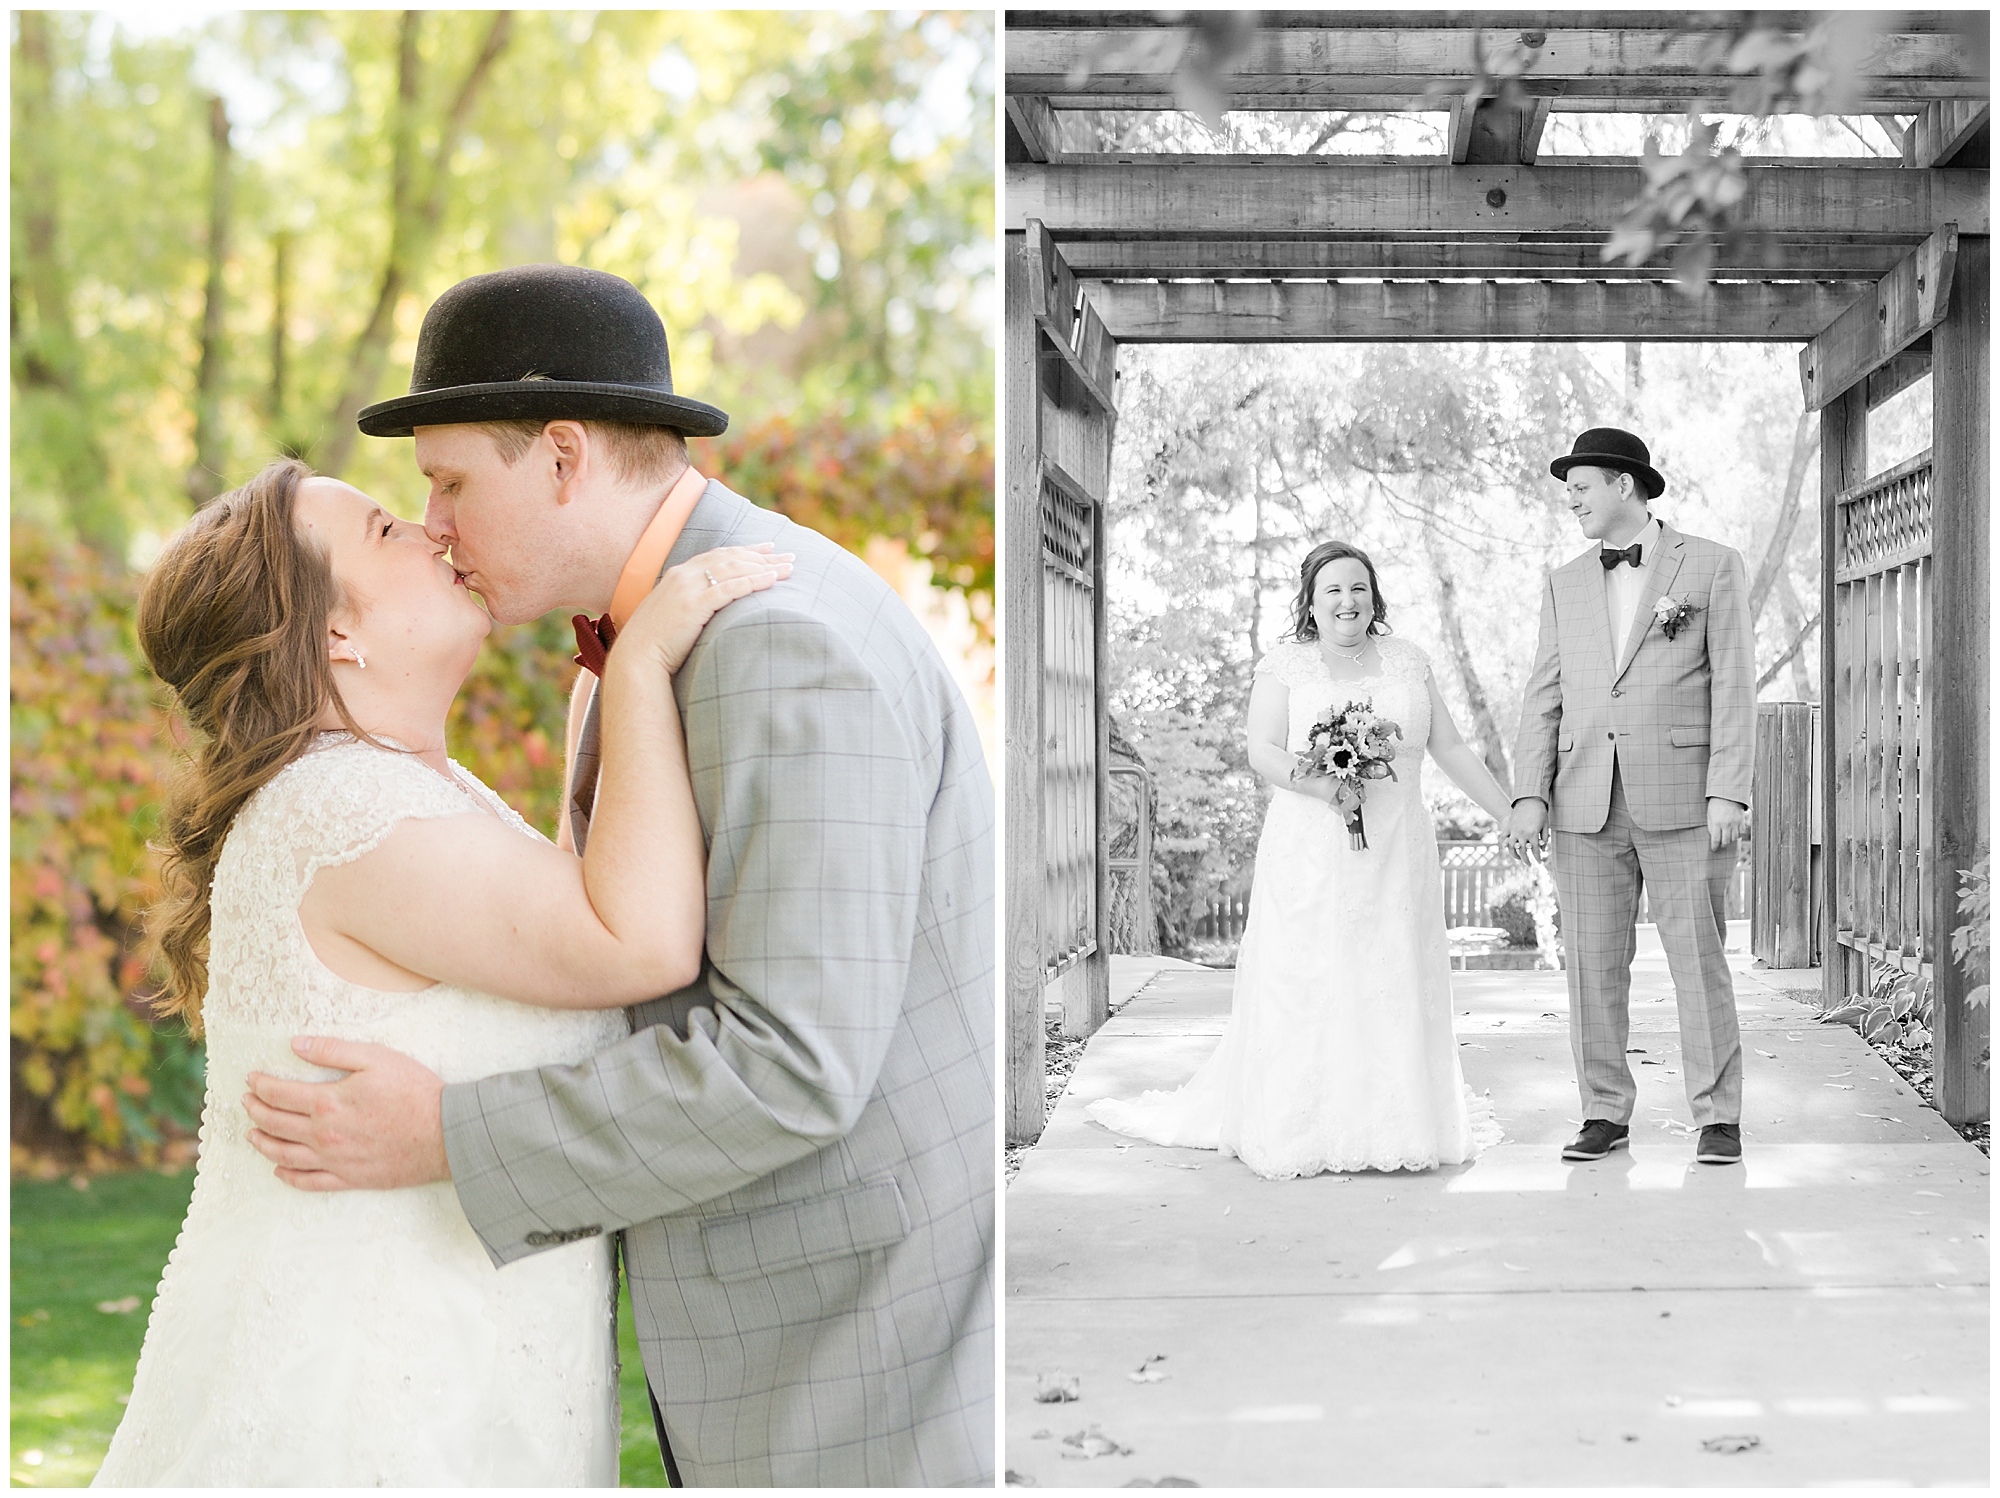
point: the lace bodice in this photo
(1399, 690)
(358, 1338)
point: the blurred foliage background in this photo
(226, 229)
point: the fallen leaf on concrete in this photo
(1636, 1050)
(1164, 1482)
(124, 1307)
(1651, 1063)
(1150, 1371)
(1081, 1445)
(1885, 1118)
(1767, 1055)
(1517, 1268)
(1176, 1165)
(1225, 1211)
(1673, 1401)
(1634, 1438)
(1930, 1193)
(1044, 1434)
(1839, 1086)
(1246, 1240)
(1058, 1388)
(1019, 1479)
(1731, 1445)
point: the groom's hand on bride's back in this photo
(379, 1127)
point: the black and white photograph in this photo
(1494, 699)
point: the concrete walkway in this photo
(1519, 1320)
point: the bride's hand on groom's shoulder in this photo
(672, 616)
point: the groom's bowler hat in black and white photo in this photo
(1609, 447)
(542, 342)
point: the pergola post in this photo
(1022, 646)
(1843, 462)
(1956, 788)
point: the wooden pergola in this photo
(1878, 267)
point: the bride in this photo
(330, 871)
(1339, 1053)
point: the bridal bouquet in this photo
(1353, 746)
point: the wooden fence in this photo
(1785, 926)
(1472, 873)
(1881, 639)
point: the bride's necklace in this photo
(1354, 658)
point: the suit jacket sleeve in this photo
(1732, 689)
(816, 816)
(1541, 712)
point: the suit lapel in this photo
(1659, 578)
(1590, 584)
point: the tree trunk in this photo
(1485, 731)
(46, 358)
(1805, 679)
(414, 216)
(1635, 377)
(1257, 575)
(1805, 441)
(281, 249)
(204, 480)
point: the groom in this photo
(1635, 746)
(797, 1150)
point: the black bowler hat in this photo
(542, 342)
(1608, 447)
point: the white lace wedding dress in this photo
(364, 1338)
(1339, 1053)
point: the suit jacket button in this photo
(1617, 691)
(536, 1240)
(1612, 736)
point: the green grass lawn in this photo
(72, 1363)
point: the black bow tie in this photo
(1612, 558)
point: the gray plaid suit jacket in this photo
(799, 1147)
(1678, 715)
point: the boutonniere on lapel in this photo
(1674, 614)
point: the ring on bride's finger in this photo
(710, 576)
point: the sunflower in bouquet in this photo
(1351, 746)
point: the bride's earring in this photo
(359, 661)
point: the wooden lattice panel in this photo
(1065, 532)
(1069, 727)
(1886, 521)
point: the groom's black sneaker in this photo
(1721, 1144)
(1599, 1138)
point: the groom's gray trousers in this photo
(1598, 879)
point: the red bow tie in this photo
(593, 642)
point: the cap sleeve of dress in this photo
(340, 799)
(1287, 663)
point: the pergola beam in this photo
(1311, 64)
(1948, 130)
(1443, 311)
(1907, 303)
(1157, 259)
(1224, 201)
(1376, 100)
(1035, 127)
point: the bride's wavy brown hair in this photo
(233, 617)
(1304, 626)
